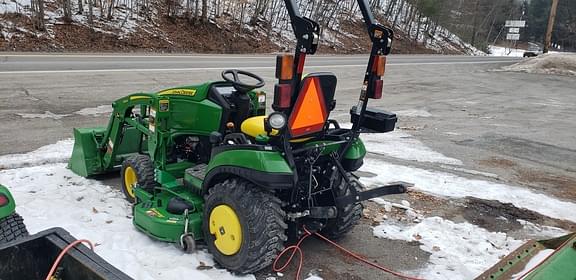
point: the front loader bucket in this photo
(553, 259)
(86, 159)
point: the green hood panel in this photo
(264, 161)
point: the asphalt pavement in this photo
(90, 63)
(517, 126)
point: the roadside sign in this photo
(513, 37)
(515, 23)
(514, 30)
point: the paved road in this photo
(33, 64)
(515, 125)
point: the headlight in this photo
(277, 120)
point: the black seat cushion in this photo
(177, 206)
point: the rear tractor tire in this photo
(138, 171)
(244, 226)
(11, 228)
(348, 216)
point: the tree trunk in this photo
(90, 13)
(398, 13)
(67, 9)
(205, 10)
(475, 23)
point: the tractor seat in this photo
(311, 110)
(254, 127)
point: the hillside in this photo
(218, 26)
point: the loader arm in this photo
(97, 150)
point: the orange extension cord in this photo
(66, 249)
(296, 249)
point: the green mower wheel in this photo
(12, 228)
(138, 171)
(244, 226)
(347, 217)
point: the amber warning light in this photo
(284, 65)
(283, 89)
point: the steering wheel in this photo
(238, 84)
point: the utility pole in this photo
(550, 25)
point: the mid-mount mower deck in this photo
(204, 162)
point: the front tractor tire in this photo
(11, 228)
(348, 216)
(138, 171)
(244, 226)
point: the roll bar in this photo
(381, 37)
(307, 34)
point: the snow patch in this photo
(45, 115)
(414, 113)
(402, 145)
(52, 196)
(458, 250)
(505, 51)
(449, 185)
(102, 109)
(534, 261)
(54, 153)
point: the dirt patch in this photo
(559, 185)
(324, 260)
(503, 217)
(497, 216)
(182, 36)
(497, 162)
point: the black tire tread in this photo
(144, 168)
(12, 227)
(265, 220)
(348, 216)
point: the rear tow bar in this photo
(356, 196)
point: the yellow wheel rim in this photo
(130, 180)
(226, 228)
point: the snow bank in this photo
(449, 185)
(54, 153)
(556, 64)
(458, 250)
(403, 146)
(504, 51)
(52, 196)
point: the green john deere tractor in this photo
(11, 224)
(205, 162)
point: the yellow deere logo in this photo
(178, 91)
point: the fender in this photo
(265, 168)
(8, 208)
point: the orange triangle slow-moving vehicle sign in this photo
(309, 114)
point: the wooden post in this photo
(550, 26)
